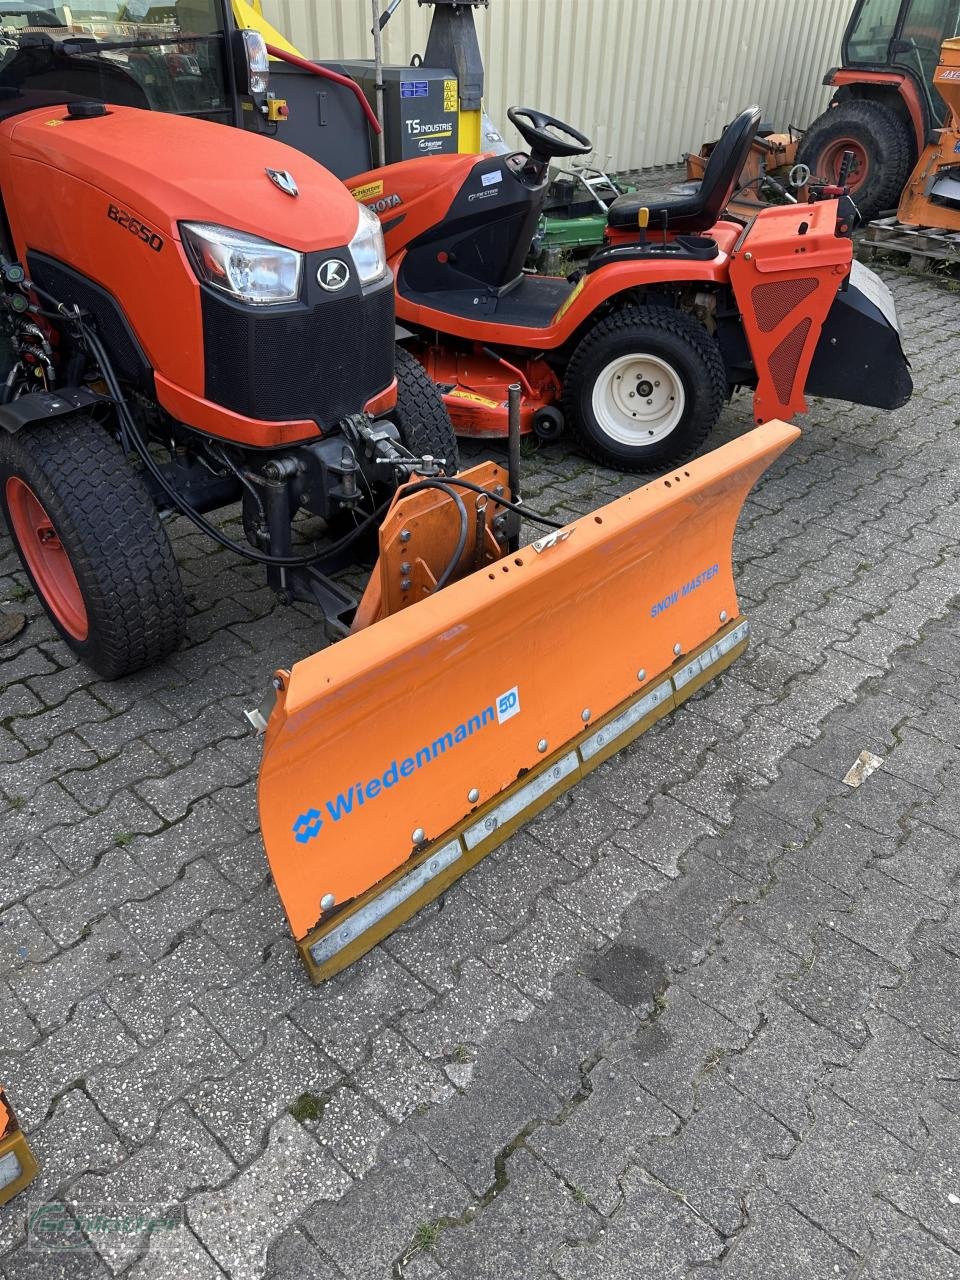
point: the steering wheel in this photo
(533, 127)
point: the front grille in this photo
(322, 362)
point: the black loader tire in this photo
(421, 415)
(667, 335)
(886, 141)
(107, 524)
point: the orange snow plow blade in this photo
(18, 1165)
(399, 757)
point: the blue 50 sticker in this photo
(508, 704)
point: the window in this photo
(872, 30)
(162, 57)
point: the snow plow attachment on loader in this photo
(399, 757)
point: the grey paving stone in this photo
(22, 941)
(652, 1228)
(927, 860)
(671, 1052)
(786, 1059)
(510, 880)
(841, 984)
(345, 1013)
(715, 1158)
(398, 1078)
(894, 1075)
(560, 1039)
(352, 1130)
(293, 1257)
(666, 835)
(794, 907)
(482, 1002)
(778, 1243)
(242, 1106)
(238, 1223)
(180, 1157)
(441, 938)
(601, 1132)
(173, 794)
(157, 919)
(242, 1012)
(927, 999)
(146, 1001)
(81, 844)
(73, 1140)
(204, 830)
(67, 912)
(377, 1219)
(835, 1171)
(51, 989)
(507, 1240)
(737, 977)
(474, 1127)
(173, 1253)
(928, 1192)
(577, 822)
(906, 1249)
(136, 1093)
(601, 895)
(540, 949)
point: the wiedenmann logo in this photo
(309, 824)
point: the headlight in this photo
(258, 63)
(244, 266)
(367, 247)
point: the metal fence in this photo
(646, 79)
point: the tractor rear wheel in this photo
(89, 537)
(882, 152)
(644, 388)
(421, 415)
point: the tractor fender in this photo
(40, 406)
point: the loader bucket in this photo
(18, 1166)
(396, 759)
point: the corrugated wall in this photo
(646, 79)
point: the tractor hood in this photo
(171, 168)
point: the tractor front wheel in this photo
(644, 388)
(882, 151)
(91, 542)
(421, 416)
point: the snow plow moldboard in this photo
(397, 758)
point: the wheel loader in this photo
(197, 316)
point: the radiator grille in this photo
(321, 362)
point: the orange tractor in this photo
(894, 113)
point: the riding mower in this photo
(197, 316)
(640, 349)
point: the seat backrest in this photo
(726, 163)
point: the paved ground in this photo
(701, 1017)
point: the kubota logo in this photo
(309, 823)
(333, 274)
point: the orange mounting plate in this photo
(396, 758)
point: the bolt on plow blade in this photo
(399, 757)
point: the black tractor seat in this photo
(697, 212)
